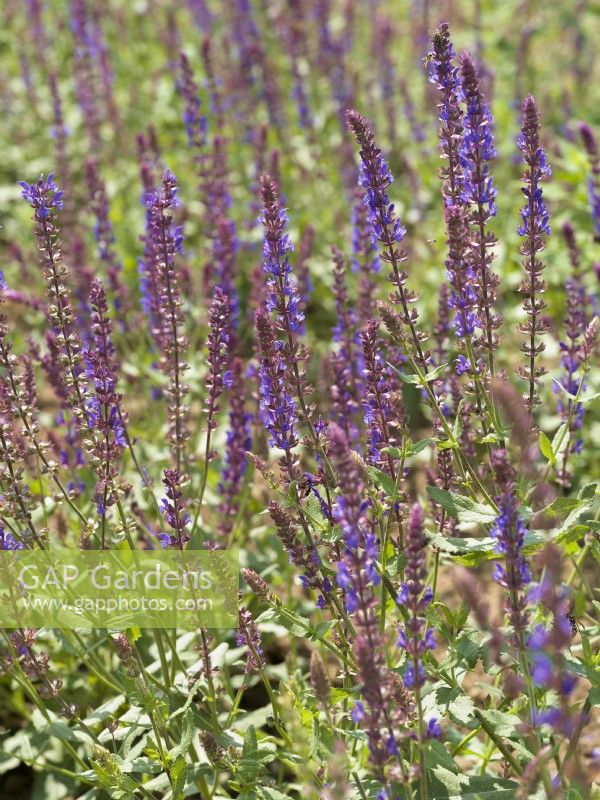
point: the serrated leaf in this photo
(504, 724)
(491, 438)
(446, 701)
(178, 775)
(447, 444)
(443, 784)
(471, 552)
(383, 481)
(587, 491)
(268, 793)
(250, 743)
(593, 675)
(462, 508)
(187, 734)
(141, 764)
(437, 755)
(419, 446)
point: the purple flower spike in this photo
(509, 532)
(384, 412)
(284, 297)
(414, 638)
(365, 260)
(278, 409)
(591, 145)
(357, 570)
(535, 223)
(165, 241)
(173, 508)
(344, 360)
(194, 121)
(218, 346)
(104, 235)
(43, 196)
(445, 76)
(386, 230)
(463, 297)
(104, 412)
(238, 442)
(248, 636)
(478, 193)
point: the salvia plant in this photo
(317, 281)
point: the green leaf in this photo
(588, 491)
(461, 507)
(268, 793)
(560, 442)
(392, 452)
(594, 696)
(383, 481)
(447, 444)
(593, 675)
(178, 775)
(444, 784)
(187, 734)
(546, 448)
(458, 422)
(504, 724)
(437, 755)
(446, 701)
(491, 438)
(250, 743)
(471, 552)
(417, 447)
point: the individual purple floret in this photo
(535, 223)
(8, 541)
